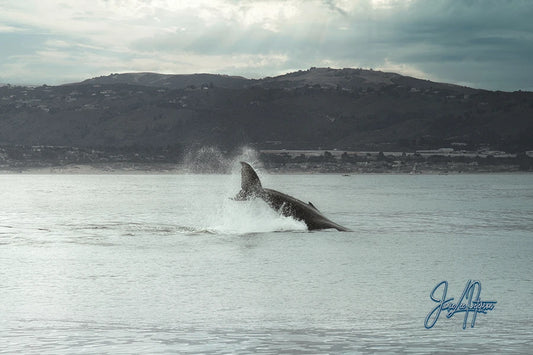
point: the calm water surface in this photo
(169, 264)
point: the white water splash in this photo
(253, 216)
(216, 212)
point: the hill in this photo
(344, 109)
(170, 81)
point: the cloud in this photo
(8, 29)
(406, 69)
(486, 43)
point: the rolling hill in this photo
(343, 109)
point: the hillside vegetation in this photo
(321, 108)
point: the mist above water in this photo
(212, 160)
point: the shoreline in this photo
(125, 168)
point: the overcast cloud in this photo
(479, 43)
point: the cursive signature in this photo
(469, 302)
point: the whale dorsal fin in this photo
(250, 183)
(310, 204)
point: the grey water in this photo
(170, 264)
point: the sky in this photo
(478, 43)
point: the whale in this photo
(288, 206)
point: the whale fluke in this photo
(250, 183)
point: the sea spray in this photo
(206, 160)
(212, 160)
(247, 154)
(252, 216)
(218, 213)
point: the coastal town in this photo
(19, 159)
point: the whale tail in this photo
(250, 183)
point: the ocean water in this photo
(161, 264)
